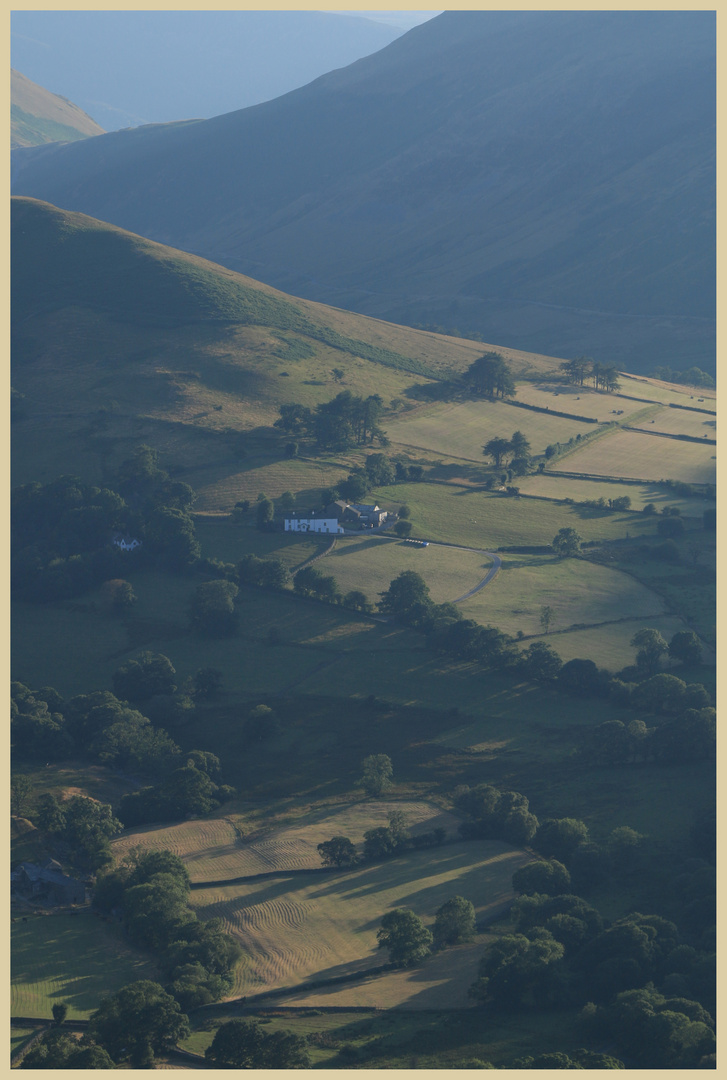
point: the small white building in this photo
(313, 524)
(125, 543)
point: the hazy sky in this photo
(126, 68)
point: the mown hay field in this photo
(578, 400)
(681, 422)
(370, 564)
(578, 591)
(213, 849)
(303, 926)
(552, 486)
(74, 959)
(642, 457)
(461, 429)
(656, 390)
(441, 982)
(478, 519)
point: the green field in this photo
(214, 849)
(76, 959)
(642, 457)
(294, 928)
(461, 429)
(578, 592)
(611, 644)
(552, 486)
(487, 521)
(681, 422)
(370, 564)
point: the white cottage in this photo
(313, 524)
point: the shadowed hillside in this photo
(120, 340)
(544, 178)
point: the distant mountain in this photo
(139, 67)
(37, 116)
(545, 178)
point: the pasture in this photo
(214, 849)
(460, 429)
(489, 521)
(609, 646)
(370, 564)
(578, 591)
(635, 456)
(552, 486)
(296, 927)
(76, 959)
(221, 488)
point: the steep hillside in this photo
(546, 178)
(37, 116)
(118, 340)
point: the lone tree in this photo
(546, 617)
(566, 543)
(338, 851)
(212, 608)
(378, 773)
(405, 936)
(403, 528)
(497, 448)
(651, 647)
(454, 922)
(406, 597)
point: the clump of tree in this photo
(83, 826)
(693, 376)
(340, 424)
(454, 922)
(490, 376)
(581, 368)
(311, 583)
(262, 573)
(338, 851)
(405, 936)
(58, 1049)
(137, 1023)
(244, 1044)
(212, 609)
(492, 814)
(151, 890)
(516, 448)
(189, 790)
(377, 775)
(566, 543)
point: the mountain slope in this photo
(118, 340)
(37, 116)
(138, 67)
(544, 177)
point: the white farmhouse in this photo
(125, 543)
(313, 524)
